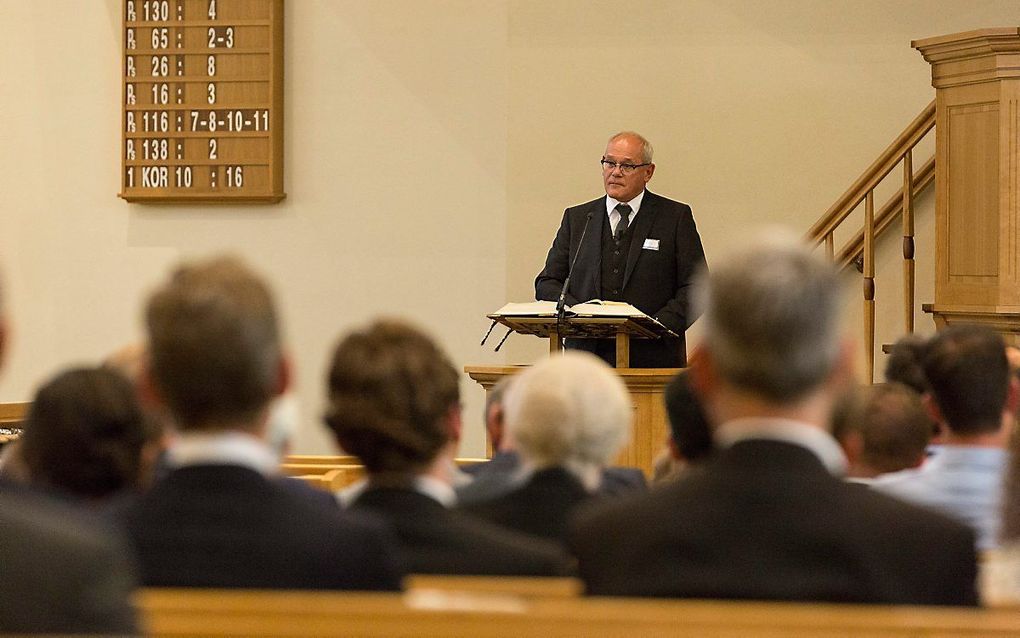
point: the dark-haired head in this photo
(393, 398)
(688, 425)
(968, 375)
(85, 434)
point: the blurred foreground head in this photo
(772, 321)
(394, 398)
(214, 346)
(85, 434)
(571, 411)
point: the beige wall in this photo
(447, 136)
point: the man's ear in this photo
(3, 340)
(284, 375)
(1012, 394)
(701, 371)
(148, 388)
(842, 375)
(453, 422)
(853, 447)
(931, 406)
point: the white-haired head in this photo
(571, 411)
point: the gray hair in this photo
(214, 344)
(646, 147)
(572, 411)
(772, 318)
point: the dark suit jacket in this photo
(656, 282)
(540, 507)
(62, 573)
(499, 475)
(436, 540)
(765, 520)
(229, 526)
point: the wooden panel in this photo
(202, 101)
(646, 387)
(973, 193)
(12, 414)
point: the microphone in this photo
(561, 304)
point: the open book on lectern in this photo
(593, 308)
(592, 319)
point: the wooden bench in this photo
(416, 613)
(534, 587)
(306, 465)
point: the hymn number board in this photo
(203, 101)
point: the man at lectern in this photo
(630, 245)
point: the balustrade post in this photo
(908, 242)
(869, 283)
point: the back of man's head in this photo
(904, 363)
(688, 424)
(495, 417)
(214, 344)
(391, 392)
(772, 319)
(569, 411)
(883, 428)
(968, 375)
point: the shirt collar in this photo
(818, 442)
(436, 490)
(223, 448)
(635, 204)
(431, 487)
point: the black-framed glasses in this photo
(626, 169)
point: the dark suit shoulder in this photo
(229, 526)
(62, 571)
(439, 541)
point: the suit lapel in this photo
(642, 226)
(592, 245)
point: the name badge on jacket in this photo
(651, 244)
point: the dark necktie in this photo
(621, 226)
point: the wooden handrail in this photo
(853, 249)
(860, 250)
(874, 174)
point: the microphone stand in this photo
(561, 305)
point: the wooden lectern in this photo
(976, 76)
(646, 385)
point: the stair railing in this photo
(860, 249)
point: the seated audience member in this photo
(394, 402)
(61, 573)
(882, 428)
(222, 517)
(690, 436)
(971, 397)
(569, 416)
(1000, 567)
(904, 366)
(86, 436)
(503, 473)
(495, 428)
(768, 517)
(904, 363)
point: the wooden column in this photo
(976, 75)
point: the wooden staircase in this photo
(859, 250)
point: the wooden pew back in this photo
(260, 614)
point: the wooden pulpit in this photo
(977, 161)
(646, 385)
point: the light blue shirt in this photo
(964, 482)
